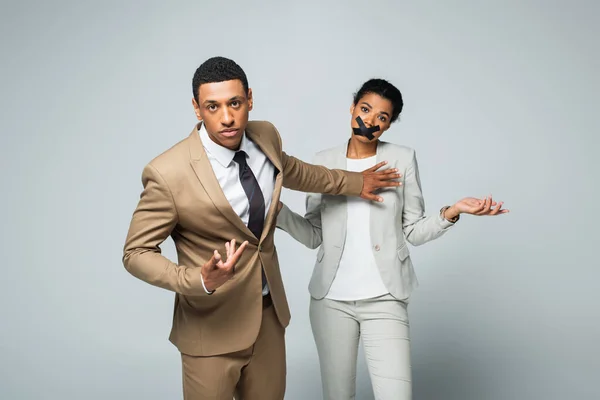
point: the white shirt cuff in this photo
(205, 289)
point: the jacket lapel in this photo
(378, 216)
(271, 153)
(339, 204)
(267, 148)
(203, 170)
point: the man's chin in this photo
(231, 142)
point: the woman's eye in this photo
(364, 109)
(382, 118)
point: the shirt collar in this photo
(222, 154)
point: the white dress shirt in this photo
(227, 172)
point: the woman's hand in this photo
(475, 206)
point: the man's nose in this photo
(226, 118)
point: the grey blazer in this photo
(400, 218)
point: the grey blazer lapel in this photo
(380, 215)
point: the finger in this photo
(227, 250)
(485, 208)
(219, 260)
(236, 256)
(387, 177)
(483, 204)
(231, 252)
(489, 205)
(231, 248)
(477, 209)
(372, 197)
(497, 209)
(382, 184)
(388, 171)
(212, 263)
(375, 167)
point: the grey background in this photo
(501, 98)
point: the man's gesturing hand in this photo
(216, 272)
(374, 180)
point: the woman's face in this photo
(373, 110)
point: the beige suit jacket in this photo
(182, 198)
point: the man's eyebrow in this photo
(234, 98)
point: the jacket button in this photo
(260, 248)
(377, 247)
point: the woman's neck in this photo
(358, 149)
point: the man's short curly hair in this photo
(218, 69)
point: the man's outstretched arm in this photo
(305, 177)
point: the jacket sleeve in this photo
(305, 177)
(418, 228)
(153, 220)
(309, 178)
(306, 230)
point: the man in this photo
(218, 187)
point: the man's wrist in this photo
(204, 285)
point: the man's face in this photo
(373, 110)
(224, 109)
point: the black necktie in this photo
(256, 220)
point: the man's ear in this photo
(250, 100)
(196, 109)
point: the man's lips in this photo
(229, 132)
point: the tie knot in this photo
(240, 157)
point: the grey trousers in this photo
(382, 324)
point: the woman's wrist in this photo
(450, 213)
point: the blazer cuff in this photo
(355, 183)
(445, 223)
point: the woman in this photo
(363, 275)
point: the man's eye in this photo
(235, 104)
(212, 107)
